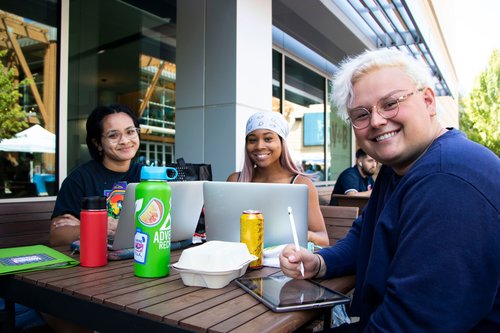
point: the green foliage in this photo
(12, 117)
(480, 110)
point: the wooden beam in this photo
(24, 29)
(151, 89)
(27, 72)
(49, 85)
(146, 61)
(150, 137)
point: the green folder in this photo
(32, 258)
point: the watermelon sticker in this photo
(152, 213)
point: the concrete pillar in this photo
(224, 74)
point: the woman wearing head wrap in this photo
(267, 160)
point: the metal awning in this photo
(394, 26)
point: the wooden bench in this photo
(338, 221)
(351, 201)
(324, 193)
(21, 224)
(25, 223)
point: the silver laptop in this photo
(187, 203)
(225, 201)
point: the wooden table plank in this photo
(126, 284)
(146, 293)
(98, 277)
(85, 283)
(179, 317)
(232, 323)
(142, 306)
(191, 303)
(277, 322)
(342, 284)
(44, 277)
(119, 283)
(217, 314)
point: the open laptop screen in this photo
(225, 202)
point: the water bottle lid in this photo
(93, 203)
(153, 173)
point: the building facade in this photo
(195, 70)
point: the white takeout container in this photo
(215, 256)
(212, 280)
(213, 264)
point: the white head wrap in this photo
(270, 120)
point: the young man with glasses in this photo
(425, 251)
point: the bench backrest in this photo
(324, 193)
(351, 200)
(25, 223)
(338, 221)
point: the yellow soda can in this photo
(252, 234)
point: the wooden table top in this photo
(167, 300)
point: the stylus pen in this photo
(295, 238)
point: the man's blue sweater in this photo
(426, 251)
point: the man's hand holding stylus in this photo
(290, 260)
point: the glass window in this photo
(319, 140)
(339, 143)
(304, 108)
(277, 80)
(28, 79)
(152, 153)
(123, 52)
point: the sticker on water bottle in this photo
(140, 246)
(152, 214)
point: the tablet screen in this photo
(281, 293)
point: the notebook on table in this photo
(32, 258)
(225, 202)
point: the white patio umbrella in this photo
(35, 139)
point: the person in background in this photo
(23, 170)
(113, 141)
(7, 170)
(318, 172)
(267, 160)
(425, 250)
(356, 180)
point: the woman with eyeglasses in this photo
(112, 141)
(425, 251)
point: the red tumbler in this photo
(93, 232)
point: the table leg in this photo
(327, 323)
(9, 317)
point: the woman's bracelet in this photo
(319, 266)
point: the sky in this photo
(472, 32)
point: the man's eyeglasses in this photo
(114, 137)
(387, 108)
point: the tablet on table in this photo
(281, 293)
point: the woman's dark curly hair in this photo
(94, 126)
